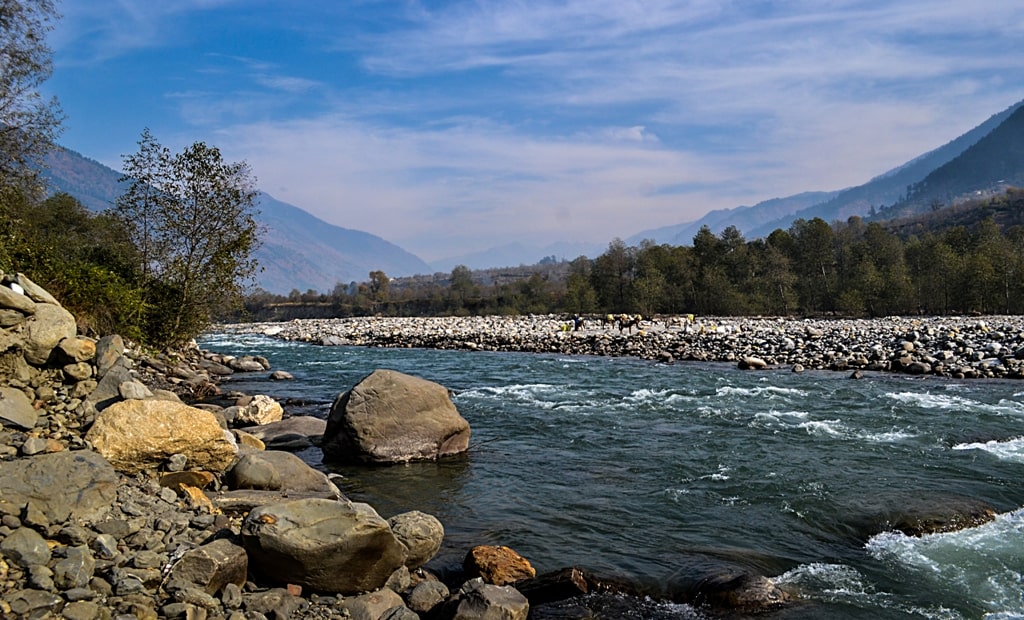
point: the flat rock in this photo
(62, 485)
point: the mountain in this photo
(885, 189)
(515, 254)
(742, 218)
(299, 251)
(991, 164)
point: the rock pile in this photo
(960, 347)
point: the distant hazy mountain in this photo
(885, 189)
(299, 251)
(743, 218)
(516, 254)
(992, 163)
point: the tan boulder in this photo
(141, 434)
(45, 330)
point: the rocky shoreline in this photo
(958, 347)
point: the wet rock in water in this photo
(497, 565)
(739, 590)
(420, 533)
(391, 417)
(138, 434)
(916, 514)
(322, 545)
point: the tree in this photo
(192, 217)
(28, 123)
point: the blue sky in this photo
(451, 127)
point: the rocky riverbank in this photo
(958, 347)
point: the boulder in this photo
(272, 470)
(135, 435)
(109, 351)
(34, 292)
(210, 567)
(914, 514)
(497, 565)
(44, 330)
(16, 409)
(391, 417)
(322, 545)
(420, 533)
(261, 410)
(62, 485)
(738, 590)
(477, 600)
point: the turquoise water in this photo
(654, 473)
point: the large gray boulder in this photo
(44, 330)
(61, 485)
(135, 435)
(391, 417)
(322, 545)
(477, 600)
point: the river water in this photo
(655, 473)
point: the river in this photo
(654, 472)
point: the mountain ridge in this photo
(299, 250)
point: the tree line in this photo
(813, 268)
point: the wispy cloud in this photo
(438, 124)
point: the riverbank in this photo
(957, 347)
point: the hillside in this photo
(993, 163)
(885, 189)
(299, 251)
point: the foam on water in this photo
(1011, 450)
(767, 391)
(984, 564)
(929, 400)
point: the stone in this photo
(16, 409)
(420, 533)
(25, 547)
(135, 435)
(426, 596)
(498, 565)
(323, 545)
(247, 363)
(262, 410)
(78, 484)
(273, 470)
(477, 600)
(739, 590)
(108, 389)
(34, 292)
(210, 567)
(371, 606)
(77, 349)
(79, 371)
(12, 300)
(76, 569)
(44, 330)
(281, 375)
(109, 351)
(134, 390)
(391, 417)
(752, 363)
(296, 431)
